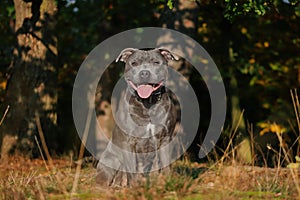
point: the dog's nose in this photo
(144, 74)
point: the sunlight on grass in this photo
(223, 177)
(185, 181)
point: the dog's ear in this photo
(125, 54)
(167, 54)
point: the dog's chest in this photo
(152, 125)
(157, 113)
(150, 129)
(152, 139)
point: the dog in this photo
(145, 119)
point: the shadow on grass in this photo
(193, 172)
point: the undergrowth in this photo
(223, 177)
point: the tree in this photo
(255, 44)
(256, 47)
(31, 89)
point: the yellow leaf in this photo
(259, 45)
(293, 165)
(265, 130)
(263, 125)
(244, 30)
(266, 44)
(3, 85)
(252, 61)
(273, 128)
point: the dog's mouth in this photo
(146, 89)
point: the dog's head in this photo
(146, 70)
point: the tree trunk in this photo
(243, 150)
(31, 87)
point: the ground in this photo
(22, 178)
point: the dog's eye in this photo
(156, 62)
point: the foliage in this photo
(170, 4)
(7, 40)
(295, 165)
(255, 41)
(236, 8)
(273, 128)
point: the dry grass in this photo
(225, 178)
(30, 179)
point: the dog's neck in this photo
(153, 99)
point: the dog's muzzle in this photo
(145, 90)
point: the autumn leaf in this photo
(271, 127)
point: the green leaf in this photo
(170, 4)
(253, 81)
(297, 11)
(10, 10)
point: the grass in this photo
(221, 178)
(29, 179)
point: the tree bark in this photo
(32, 83)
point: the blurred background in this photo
(255, 44)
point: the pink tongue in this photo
(144, 91)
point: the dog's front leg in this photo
(106, 174)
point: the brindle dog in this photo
(145, 119)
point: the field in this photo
(217, 178)
(50, 49)
(22, 178)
